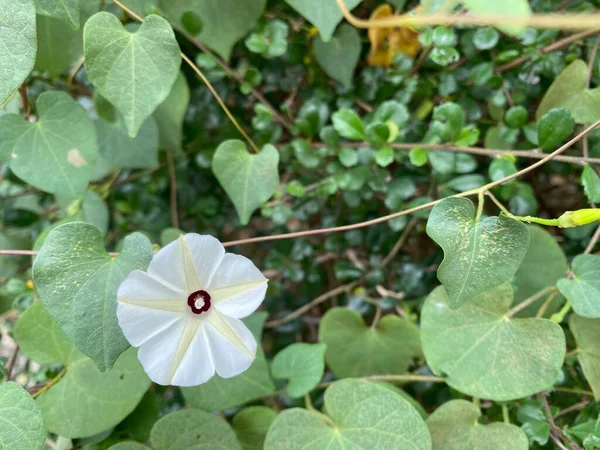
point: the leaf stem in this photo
(51, 383)
(528, 301)
(480, 203)
(545, 305)
(573, 391)
(560, 316)
(205, 80)
(505, 416)
(405, 378)
(500, 206)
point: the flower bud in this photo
(580, 217)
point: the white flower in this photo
(183, 313)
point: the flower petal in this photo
(197, 365)
(139, 288)
(140, 324)
(157, 352)
(232, 345)
(167, 266)
(237, 288)
(206, 253)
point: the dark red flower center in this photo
(199, 302)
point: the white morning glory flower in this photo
(184, 312)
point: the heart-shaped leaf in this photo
(587, 336)
(193, 429)
(251, 426)
(249, 179)
(544, 264)
(454, 426)
(485, 353)
(591, 183)
(19, 42)
(78, 281)
(170, 114)
(85, 401)
(21, 422)
(219, 24)
(569, 90)
(133, 71)
(224, 393)
(324, 14)
(302, 364)
(339, 56)
(62, 142)
(355, 349)
(478, 255)
(360, 414)
(583, 291)
(64, 10)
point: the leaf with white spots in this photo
(303, 364)
(78, 281)
(85, 401)
(478, 255)
(18, 41)
(484, 353)
(360, 415)
(21, 423)
(223, 393)
(133, 71)
(57, 154)
(193, 429)
(583, 291)
(455, 426)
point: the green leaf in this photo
(251, 426)
(339, 56)
(324, 14)
(193, 429)
(569, 90)
(249, 179)
(223, 23)
(583, 291)
(544, 264)
(170, 114)
(138, 424)
(455, 426)
(516, 117)
(478, 255)
(19, 43)
(384, 156)
(119, 150)
(391, 110)
(133, 71)
(418, 156)
(511, 8)
(355, 349)
(360, 414)
(63, 142)
(78, 281)
(348, 157)
(129, 446)
(485, 38)
(272, 42)
(85, 401)
(64, 10)
(93, 211)
(591, 183)
(301, 364)
(587, 336)
(484, 353)
(348, 124)
(223, 393)
(58, 45)
(443, 37)
(21, 423)
(554, 127)
(449, 121)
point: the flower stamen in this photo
(199, 302)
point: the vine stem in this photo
(51, 383)
(205, 80)
(405, 378)
(490, 152)
(593, 242)
(173, 190)
(555, 430)
(557, 21)
(399, 243)
(305, 308)
(528, 301)
(11, 363)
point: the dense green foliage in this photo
(428, 297)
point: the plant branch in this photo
(554, 429)
(490, 152)
(593, 241)
(399, 243)
(549, 48)
(566, 21)
(528, 301)
(173, 189)
(278, 117)
(405, 378)
(11, 363)
(25, 101)
(305, 308)
(205, 80)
